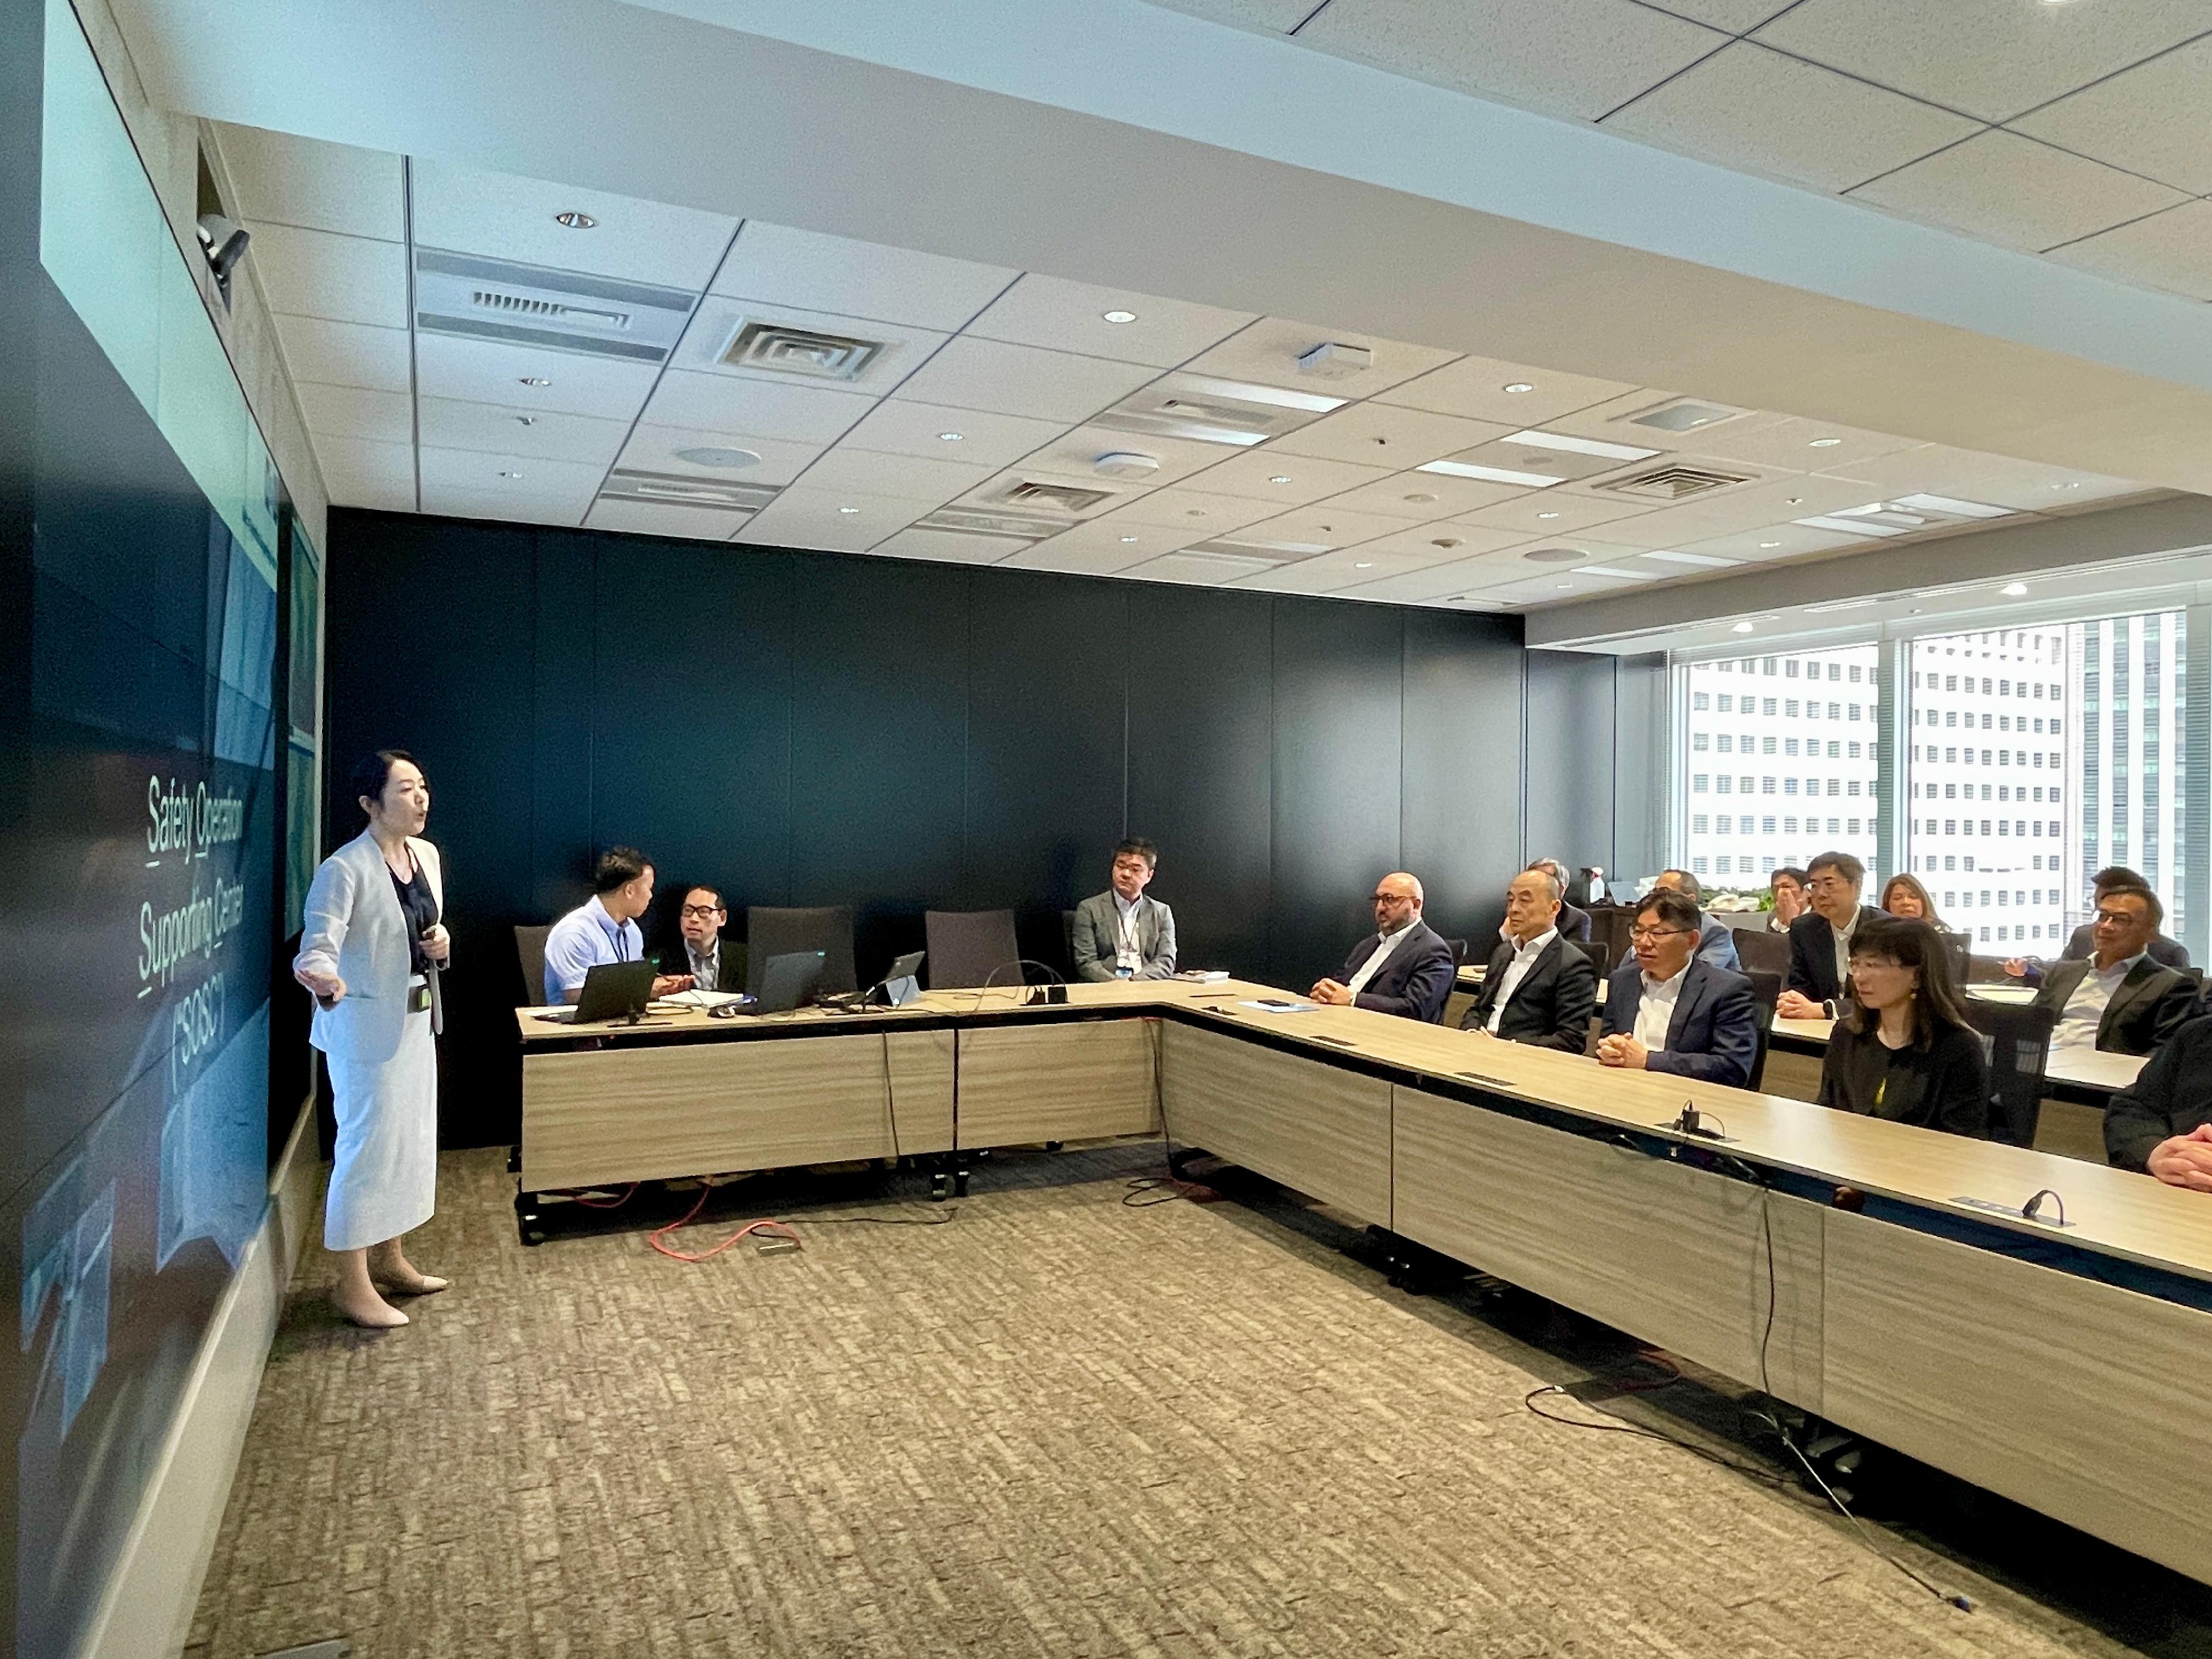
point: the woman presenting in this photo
(370, 952)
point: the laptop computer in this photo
(901, 981)
(613, 990)
(789, 982)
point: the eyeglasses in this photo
(1394, 898)
(2118, 918)
(1645, 935)
(702, 912)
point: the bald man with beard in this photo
(1403, 968)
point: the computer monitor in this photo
(789, 981)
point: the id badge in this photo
(418, 999)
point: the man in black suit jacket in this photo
(2162, 1123)
(1403, 968)
(1671, 1011)
(699, 952)
(2081, 944)
(1573, 923)
(2121, 999)
(1820, 939)
(1541, 988)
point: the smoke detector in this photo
(1333, 360)
(1125, 464)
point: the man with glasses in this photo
(1716, 939)
(2121, 1000)
(1541, 988)
(1671, 1011)
(702, 921)
(1403, 968)
(1120, 933)
(1820, 939)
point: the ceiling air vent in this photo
(1055, 497)
(1683, 414)
(1258, 552)
(530, 305)
(973, 521)
(1674, 483)
(1214, 411)
(780, 349)
(674, 489)
(1222, 567)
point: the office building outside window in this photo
(1780, 762)
(2125, 756)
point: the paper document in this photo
(698, 999)
(1279, 1006)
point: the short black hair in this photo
(1689, 885)
(705, 887)
(1844, 865)
(1789, 870)
(1142, 848)
(2137, 889)
(2116, 875)
(372, 772)
(618, 867)
(1677, 909)
(1911, 943)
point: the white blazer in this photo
(354, 928)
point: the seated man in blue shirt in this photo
(1671, 1011)
(604, 929)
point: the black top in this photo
(1945, 1085)
(2171, 1096)
(420, 910)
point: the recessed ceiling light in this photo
(2015, 590)
(1519, 386)
(1119, 316)
(1824, 443)
(526, 420)
(1566, 584)
(951, 437)
(848, 509)
(1446, 541)
(1194, 513)
(1129, 538)
(1420, 495)
(1741, 628)
(1770, 544)
(575, 221)
(1280, 477)
(505, 473)
(1363, 564)
(536, 380)
(1547, 515)
(1795, 501)
(717, 455)
(2066, 486)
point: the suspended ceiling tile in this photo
(282, 178)
(1017, 380)
(660, 518)
(1324, 524)
(1347, 571)
(777, 266)
(1271, 16)
(946, 547)
(511, 477)
(345, 411)
(797, 413)
(345, 354)
(1477, 389)
(358, 472)
(1798, 445)
(1428, 584)
(898, 426)
(1988, 58)
(2150, 120)
(1579, 57)
(1195, 513)
(1386, 434)
(1553, 512)
(505, 217)
(1191, 569)
(1764, 544)
(450, 425)
(1443, 543)
(1998, 480)
(1758, 111)
(1736, 16)
(1076, 454)
(2016, 192)
(913, 477)
(1268, 353)
(657, 449)
(837, 520)
(1102, 546)
(1614, 421)
(1065, 316)
(1255, 473)
(2171, 250)
(495, 372)
(447, 501)
(1416, 497)
(879, 355)
(314, 273)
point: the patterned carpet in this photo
(1056, 1426)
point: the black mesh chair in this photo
(1766, 992)
(1962, 956)
(530, 947)
(1601, 957)
(771, 931)
(1458, 950)
(2017, 1040)
(1762, 952)
(1609, 927)
(1067, 938)
(967, 947)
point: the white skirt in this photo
(384, 1173)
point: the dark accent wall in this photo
(1597, 761)
(808, 728)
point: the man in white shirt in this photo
(604, 929)
(1820, 939)
(1404, 967)
(1120, 933)
(1670, 1009)
(1539, 989)
(701, 920)
(2120, 999)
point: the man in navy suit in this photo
(1820, 939)
(1670, 1009)
(1404, 967)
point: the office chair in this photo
(1600, 956)
(966, 947)
(1068, 938)
(1762, 952)
(530, 947)
(2017, 1041)
(1459, 952)
(774, 932)
(1766, 992)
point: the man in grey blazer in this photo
(1120, 933)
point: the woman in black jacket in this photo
(1903, 1049)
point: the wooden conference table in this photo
(2061, 1366)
